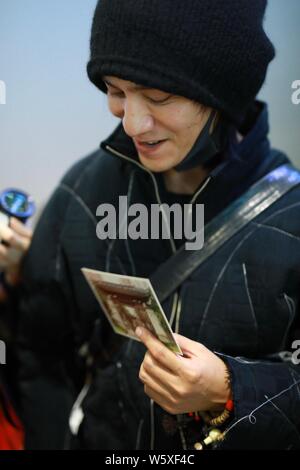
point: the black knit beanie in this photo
(212, 51)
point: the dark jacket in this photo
(243, 303)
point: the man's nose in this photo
(136, 119)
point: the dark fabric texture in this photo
(8, 326)
(242, 303)
(211, 51)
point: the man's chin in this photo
(156, 166)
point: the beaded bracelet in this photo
(214, 434)
(219, 420)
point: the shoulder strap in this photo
(230, 221)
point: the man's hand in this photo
(17, 240)
(195, 382)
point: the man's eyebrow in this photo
(133, 87)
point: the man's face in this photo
(150, 115)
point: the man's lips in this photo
(149, 149)
(142, 142)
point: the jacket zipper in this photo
(178, 314)
(175, 315)
(173, 248)
(156, 190)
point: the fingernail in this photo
(138, 331)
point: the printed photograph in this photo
(129, 302)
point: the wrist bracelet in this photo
(214, 434)
(219, 420)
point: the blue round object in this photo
(17, 203)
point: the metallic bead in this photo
(214, 435)
(198, 446)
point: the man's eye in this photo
(152, 100)
(159, 101)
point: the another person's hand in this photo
(198, 381)
(17, 238)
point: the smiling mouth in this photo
(149, 142)
(150, 148)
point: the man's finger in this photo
(9, 256)
(6, 233)
(20, 228)
(14, 256)
(19, 243)
(159, 373)
(3, 256)
(153, 383)
(158, 350)
(189, 347)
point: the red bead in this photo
(229, 405)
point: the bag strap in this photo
(259, 197)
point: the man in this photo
(184, 88)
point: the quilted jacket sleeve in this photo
(266, 396)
